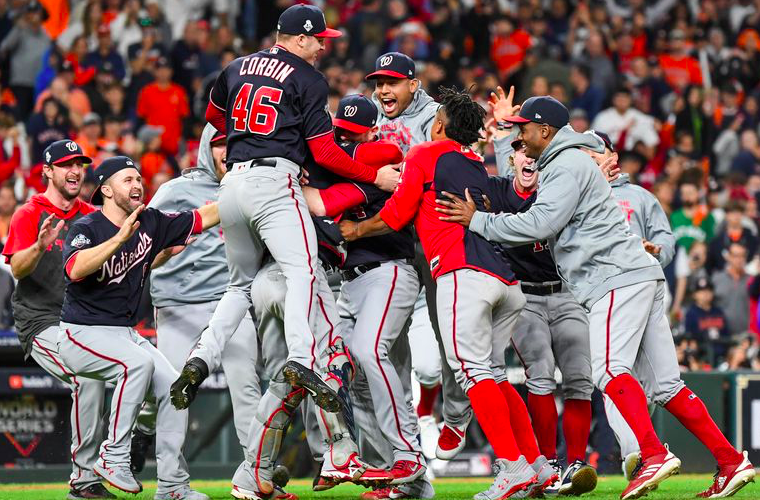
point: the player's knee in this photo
(141, 366)
(541, 385)
(577, 386)
(362, 351)
(666, 390)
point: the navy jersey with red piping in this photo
(274, 102)
(111, 295)
(391, 246)
(432, 167)
(532, 262)
(38, 297)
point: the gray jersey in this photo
(198, 274)
(590, 241)
(645, 216)
(411, 127)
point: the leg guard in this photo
(267, 430)
(340, 372)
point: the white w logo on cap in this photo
(71, 146)
(385, 61)
(350, 111)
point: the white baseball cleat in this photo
(650, 472)
(184, 492)
(429, 435)
(730, 478)
(119, 476)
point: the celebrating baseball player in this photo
(609, 272)
(34, 250)
(476, 328)
(406, 117)
(186, 290)
(107, 257)
(552, 329)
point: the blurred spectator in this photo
(184, 57)
(740, 357)
(681, 70)
(7, 208)
(142, 61)
(25, 47)
(626, 125)
(9, 135)
(579, 120)
(164, 104)
(82, 75)
(727, 146)
(96, 88)
(153, 160)
(508, 46)
(706, 323)
(181, 12)
(75, 99)
(126, 27)
(689, 270)
(85, 25)
(586, 95)
(731, 289)
(89, 134)
(693, 221)
(747, 160)
(691, 120)
(106, 53)
(687, 353)
(595, 56)
(733, 230)
(49, 125)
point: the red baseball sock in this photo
(492, 413)
(691, 412)
(428, 396)
(629, 398)
(543, 414)
(576, 424)
(520, 420)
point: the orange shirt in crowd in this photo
(152, 163)
(509, 51)
(58, 17)
(78, 101)
(680, 72)
(164, 107)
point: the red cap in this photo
(350, 126)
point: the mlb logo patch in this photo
(80, 240)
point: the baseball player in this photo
(406, 117)
(552, 329)
(378, 293)
(186, 290)
(647, 219)
(107, 257)
(608, 271)
(476, 327)
(34, 251)
(272, 105)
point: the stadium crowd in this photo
(675, 85)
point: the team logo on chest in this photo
(118, 266)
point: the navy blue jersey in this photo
(533, 262)
(110, 296)
(391, 246)
(274, 102)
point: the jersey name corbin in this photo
(264, 66)
(117, 267)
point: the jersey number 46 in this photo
(258, 117)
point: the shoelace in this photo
(636, 470)
(401, 466)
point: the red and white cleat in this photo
(406, 471)
(377, 494)
(651, 472)
(355, 470)
(730, 478)
(451, 441)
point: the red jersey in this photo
(432, 167)
(164, 107)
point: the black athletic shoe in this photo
(281, 476)
(184, 389)
(579, 478)
(96, 490)
(139, 451)
(298, 375)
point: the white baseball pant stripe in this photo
(476, 314)
(263, 208)
(629, 333)
(86, 409)
(178, 329)
(118, 354)
(377, 305)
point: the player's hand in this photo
(304, 180)
(651, 247)
(349, 230)
(48, 233)
(456, 209)
(503, 105)
(387, 177)
(610, 168)
(130, 225)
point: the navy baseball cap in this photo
(356, 113)
(107, 169)
(394, 64)
(218, 137)
(542, 109)
(63, 151)
(305, 20)
(604, 138)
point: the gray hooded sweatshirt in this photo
(199, 274)
(411, 127)
(589, 239)
(645, 216)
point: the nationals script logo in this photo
(117, 267)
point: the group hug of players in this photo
(440, 268)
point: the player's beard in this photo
(126, 203)
(68, 192)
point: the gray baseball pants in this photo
(118, 354)
(86, 409)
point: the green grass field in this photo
(676, 488)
